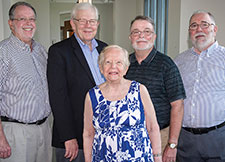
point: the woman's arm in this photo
(151, 124)
(89, 131)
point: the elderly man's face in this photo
(23, 25)
(202, 31)
(85, 25)
(142, 35)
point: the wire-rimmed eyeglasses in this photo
(92, 22)
(203, 25)
(146, 32)
(22, 19)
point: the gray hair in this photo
(15, 5)
(101, 56)
(83, 6)
(204, 12)
(146, 18)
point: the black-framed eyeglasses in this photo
(22, 19)
(92, 22)
(203, 25)
(146, 32)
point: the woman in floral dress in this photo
(119, 118)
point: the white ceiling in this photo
(75, 1)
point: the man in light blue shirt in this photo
(202, 68)
(92, 59)
(72, 70)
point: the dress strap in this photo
(139, 91)
(94, 101)
(137, 87)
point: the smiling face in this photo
(202, 38)
(86, 32)
(142, 41)
(23, 25)
(113, 67)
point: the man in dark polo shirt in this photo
(160, 75)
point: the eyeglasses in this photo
(22, 19)
(203, 25)
(136, 33)
(92, 22)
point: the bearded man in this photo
(203, 72)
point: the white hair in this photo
(83, 6)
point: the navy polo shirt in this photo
(161, 77)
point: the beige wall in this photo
(43, 18)
(124, 12)
(106, 22)
(5, 7)
(173, 28)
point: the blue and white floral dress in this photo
(120, 128)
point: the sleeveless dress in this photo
(120, 128)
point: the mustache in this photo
(198, 34)
(88, 29)
(141, 40)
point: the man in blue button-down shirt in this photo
(202, 69)
(72, 71)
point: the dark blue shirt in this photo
(161, 77)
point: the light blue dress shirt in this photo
(92, 59)
(204, 82)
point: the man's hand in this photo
(169, 154)
(71, 149)
(5, 150)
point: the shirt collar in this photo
(208, 51)
(94, 43)
(20, 43)
(212, 48)
(147, 59)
